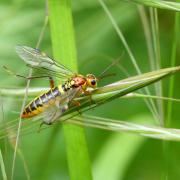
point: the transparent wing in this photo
(39, 60)
(54, 112)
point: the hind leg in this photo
(51, 82)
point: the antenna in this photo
(103, 75)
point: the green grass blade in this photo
(114, 90)
(168, 119)
(35, 91)
(21, 91)
(64, 50)
(147, 34)
(173, 62)
(120, 150)
(24, 101)
(150, 131)
(156, 47)
(120, 35)
(174, 6)
(138, 95)
(4, 176)
(150, 104)
(144, 79)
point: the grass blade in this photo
(157, 59)
(4, 176)
(173, 62)
(155, 132)
(133, 95)
(174, 6)
(120, 150)
(114, 90)
(62, 35)
(118, 89)
(23, 104)
(21, 91)
(150, 104)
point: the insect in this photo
(53, 103)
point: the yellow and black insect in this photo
(53, 103)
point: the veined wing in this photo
(51, 114)
(39, 60)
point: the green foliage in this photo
(4, 176)
(98, 43)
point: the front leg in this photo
(77, 104)
(89, 94)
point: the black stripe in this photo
(55, 92)
(66, 86)
(28, 110)
(63, 87)
(33, 106)
(38, 102)
(44, 98)
(49, 95)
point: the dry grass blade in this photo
(122, 126)
(174, 6)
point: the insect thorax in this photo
(74, 82)
(68, 85)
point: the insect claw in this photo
(79, 112)
(76, 103)
(39, 129)
(87, 93)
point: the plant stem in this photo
(4, 176)
(173, 62)
(63, 42)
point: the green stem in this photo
(63, 42)
(4, 176)
(170, 93)
(173, 62)
(162, 4)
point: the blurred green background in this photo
(113, 155)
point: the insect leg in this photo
(39, 129)
(57, 114)
(31, 77)
(88, 93)
(75, 102)
(51, 81)
(65, 108)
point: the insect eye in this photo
(93, 82)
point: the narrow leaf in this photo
(155, 132)
(4, 176)
(174, 6)
(64, 50)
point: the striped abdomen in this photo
(42, 102)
